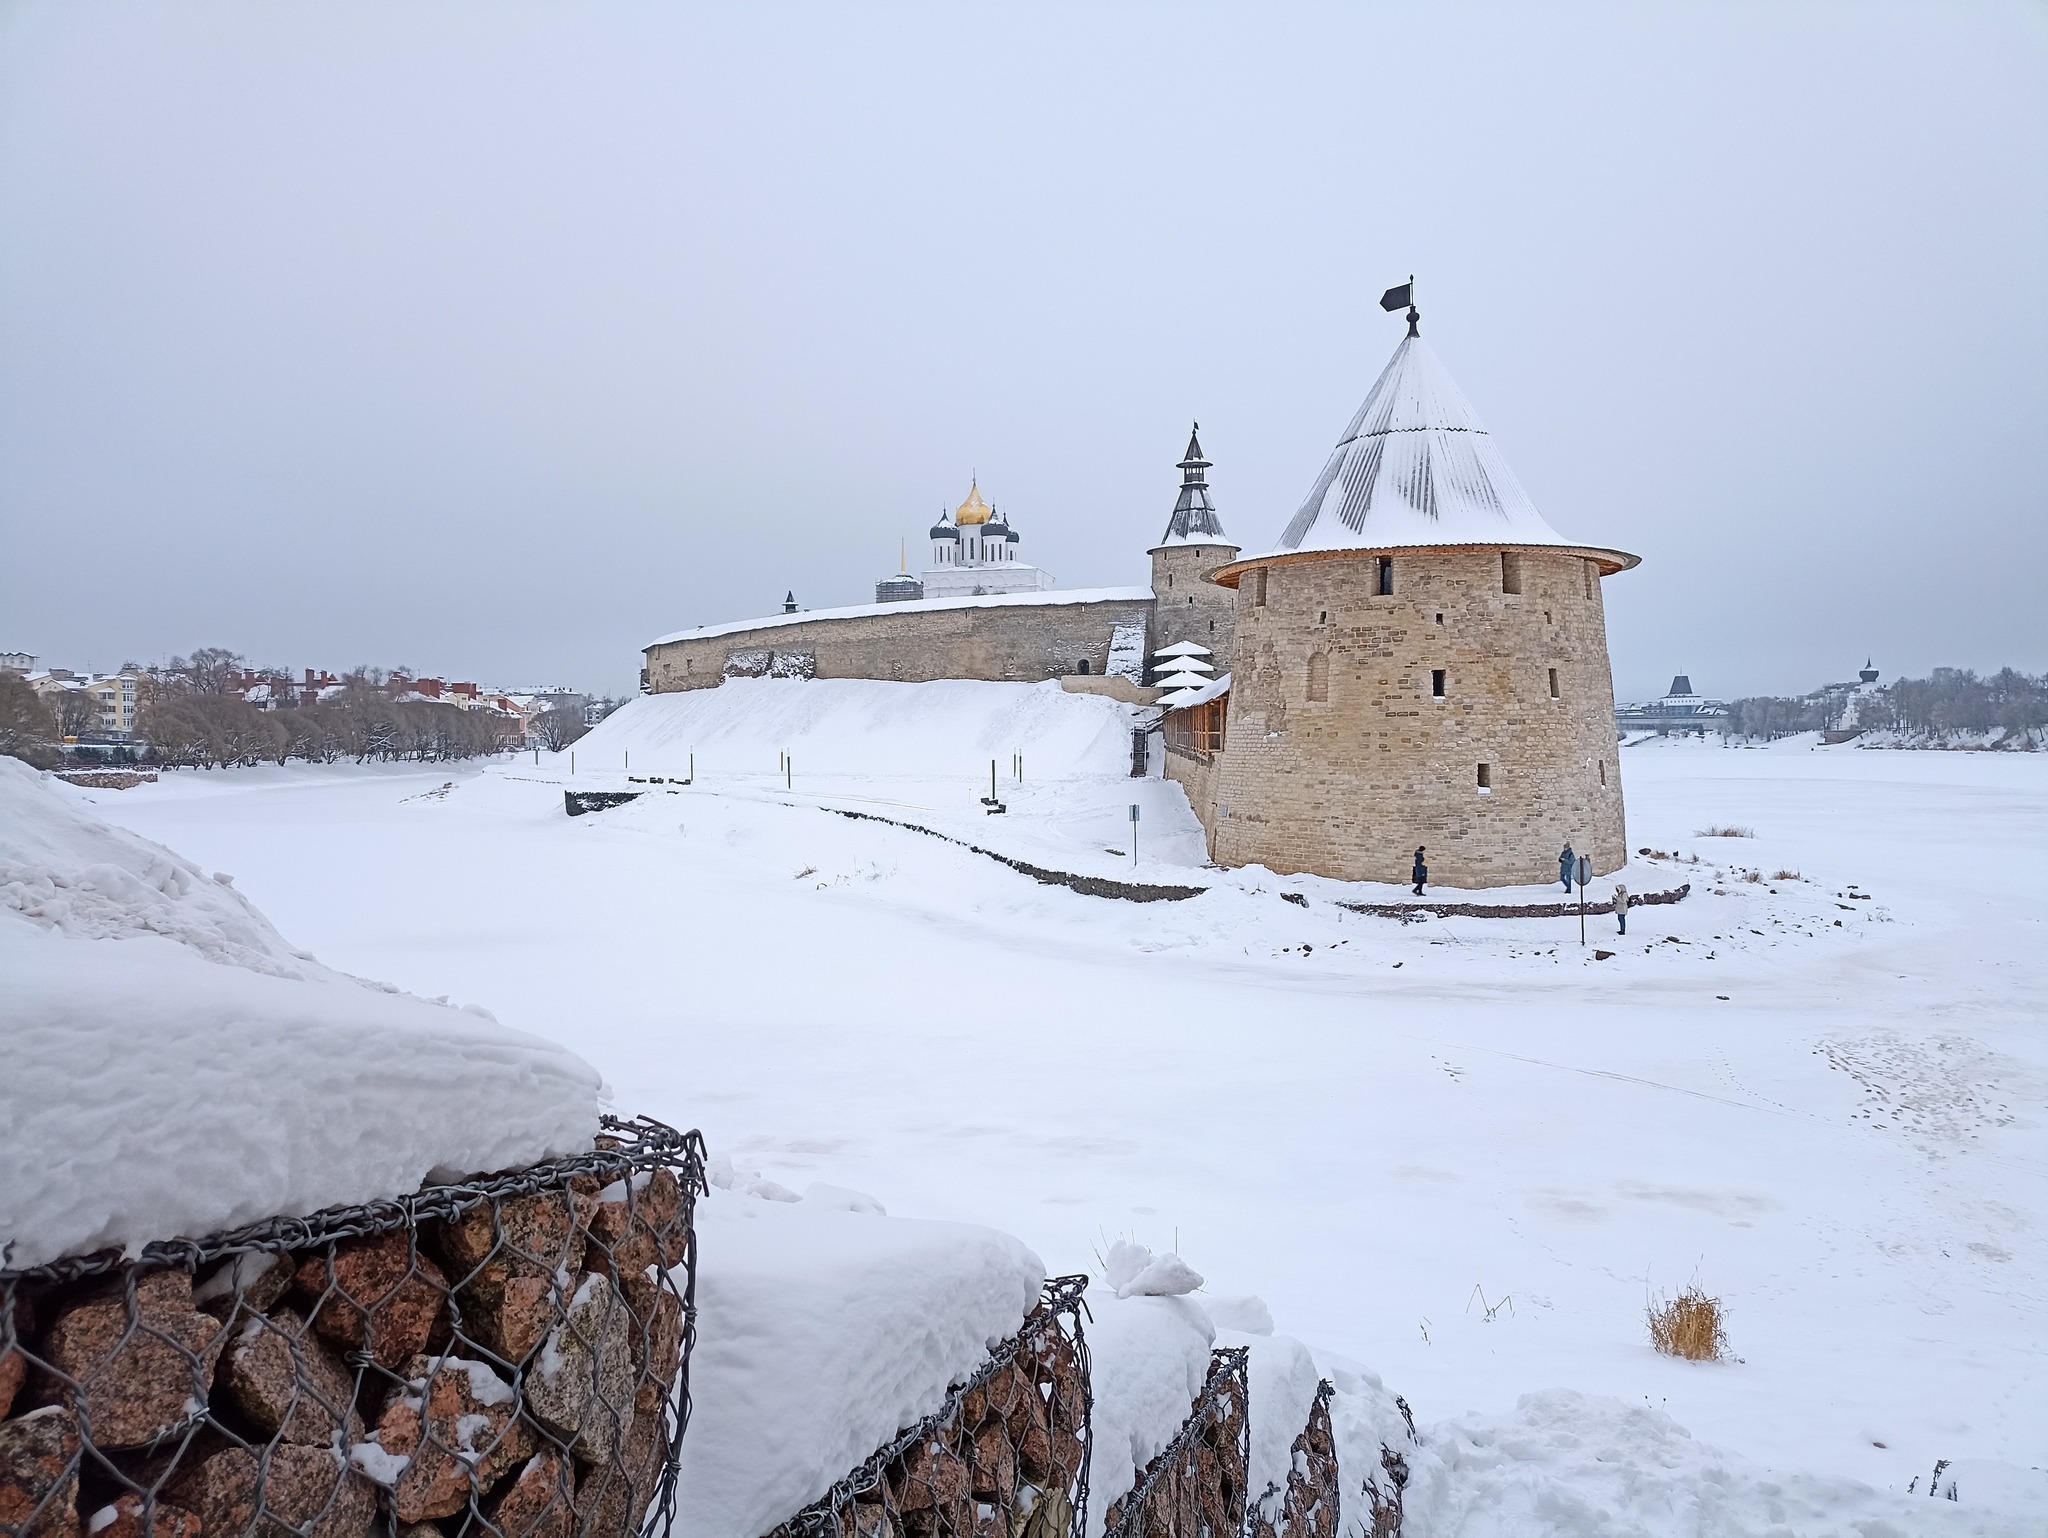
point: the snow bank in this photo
(1148, 1357)
(1281, 1381)
(174, 1067)
(865, 726)
(1570, 1465)
(822, 1332)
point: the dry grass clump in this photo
(1787, 875)
(1724, 830)
(1689, 1326)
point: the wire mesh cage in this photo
(1309, 1503)
(503, 1356)
(1006, 1456)
(1195, 1486)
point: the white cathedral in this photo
(973, 553)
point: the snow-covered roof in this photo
(1209, 689)
(1194, 520)
(1416, 468)
(1187, 665)
(1078, 595)
(1184, 649)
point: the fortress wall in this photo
(1196, 774)
(1347, 786)
(1020, 643)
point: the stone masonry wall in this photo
(1020, 643)
(1347, 785)
(1186, 608)
(1196, 775)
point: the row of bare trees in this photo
(1948, 702)
(216, 730)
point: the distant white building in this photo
(1681, 710)
(973, 553)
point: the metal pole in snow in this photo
(572, 763)
(991, 780)
(788, 772)
(629, 758)
(1585, 869)
(1134, 835)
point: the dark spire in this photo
(789, 602)
(1194, 520)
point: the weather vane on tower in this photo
(1394, 298)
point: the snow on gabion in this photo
(173, 1066)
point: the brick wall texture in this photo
(1022, 643)
(1347, 784)
(1187, 608)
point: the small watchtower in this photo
(1186, 605)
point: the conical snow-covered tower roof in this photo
(1194, 520)
(1416, 468)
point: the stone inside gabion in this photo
(503, 1358)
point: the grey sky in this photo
(499, 339)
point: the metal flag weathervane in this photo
(1395, 298)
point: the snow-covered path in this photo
(1461, 1151)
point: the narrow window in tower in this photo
(1603, 771)
(1259, 588)
(1212, 627)
(1553, 683)
(1439, 619)
(1510, 571)
(1587, 566)
(1386, 587)
(1319, 676)
(1191, 600)
(1486, 779)
(1169, 579)
(1323, 618)
(1436, 683)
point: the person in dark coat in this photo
(1421, 871)
(1565, 861)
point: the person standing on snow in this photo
(1621, 906)
(1565, 861)
(1421, 871)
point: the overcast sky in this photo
(498, 339)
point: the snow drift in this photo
(174, 1067)
(865, 726)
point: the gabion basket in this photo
(1195, 1486)
(506, 1356)
(1006, 1455)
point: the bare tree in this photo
(26, 724)
(556, 729)
(209, 670)
(77, 711)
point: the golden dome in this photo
(973, 510)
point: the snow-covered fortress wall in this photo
(1001, 638)
(1341, 755)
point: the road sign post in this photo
(1584, 870)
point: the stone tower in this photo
(1187, 607)
(1421, 660)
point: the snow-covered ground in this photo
(1462, 1151)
